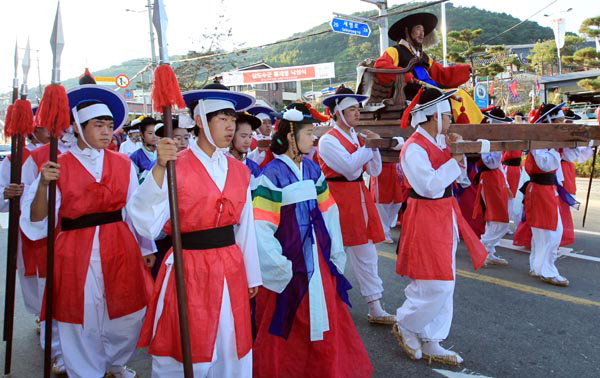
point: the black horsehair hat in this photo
(427, 20)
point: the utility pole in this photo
(443, 31)
(149, 6)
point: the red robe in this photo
(203, 206)
(387, 187)
(449, 77)
(425, 248)
(492, 186)
(347, 195)
(513, 173)
(541, 201)
(122, 263)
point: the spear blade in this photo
(57, 42)
(160, 21)
(25, 65)
(16, 78)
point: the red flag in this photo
(512, 87)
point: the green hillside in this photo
(346, 51)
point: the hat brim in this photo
(443, 97)
(331, 100)
(254, 110)
(559, 106)
(240, 101)
(253, 121)
(428, 20)
(90, 92)
(491, 116)
(575, 117)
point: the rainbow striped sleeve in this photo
(324, 197)
(266, 200)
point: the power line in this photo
(514, 26)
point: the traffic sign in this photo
(481, 95)
(128, 94)
(122, 81)
(359, 29)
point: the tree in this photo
(590, 84)
(545, 54)
(591, 27)
(467, 37)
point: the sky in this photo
(99, 34)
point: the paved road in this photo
(506, 324)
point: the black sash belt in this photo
(91, 220)
(415, 195)
(543, 178)
(207, 239)
(514, 162)
(344, 179)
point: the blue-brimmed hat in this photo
(258, 109)
(240, 101)
(340, 94)
(92, 92)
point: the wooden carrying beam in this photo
(526, 131)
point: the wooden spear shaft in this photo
(178, 254)
(50, 264)
(587, 198)
(12, 245)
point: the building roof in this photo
(571, 76)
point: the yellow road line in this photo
(513, 285)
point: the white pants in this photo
(427, 310)
(363, 260)
(101, 344)
(56, 350)
(225, 362)
(544, 250)
(494, 231)
(29, 285)
(388, 212)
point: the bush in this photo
(584, 169)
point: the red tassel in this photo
(487, 109)
(276, 127)
(8, 121)
(22, 118)
(54, 113)
(411, 106)
(463, 118)
(165, 90)
(316, 114)
(87, 72)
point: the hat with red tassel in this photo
(86, 78)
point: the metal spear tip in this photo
(25, 64)
(160, 21)
(16, 58)
(57, 42)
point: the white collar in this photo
(352, 137)
(439, 141)
(87, 153)
(290, 163)
(218, 155)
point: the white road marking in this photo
(462, 374)
(562, 251)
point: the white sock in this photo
(433, 348)
(375, 308)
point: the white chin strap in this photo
(344, 104)
(209, 106)
(84, 115)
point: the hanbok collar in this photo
(290, 163)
